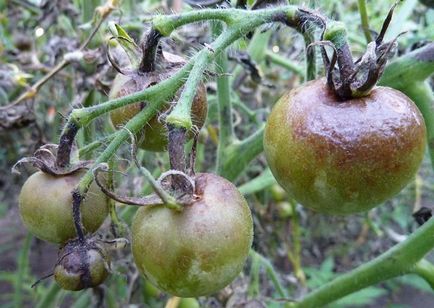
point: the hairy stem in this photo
(399, 260)
(133, 126)
(149, 50)
(65, 144)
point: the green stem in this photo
(239, 154)
(271, 273)
(133, 126)
(412, 67)
(89, 131)
(254, 288)
(180, 115)
(94, 145)
(50, 296)
(115, 221)
(285, 63)
(168, 200)
(22, 269)
(295, 256)
(161, 91)
(425, 270)
(165, 24)
(365, 21)
(226, 131)
(309, 38)
(259, 183)
(399, 260)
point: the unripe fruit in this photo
(45, 205)
(199, 250)
(342, 157)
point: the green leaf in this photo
(127, 43)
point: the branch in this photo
(239, 154)
(397, 261)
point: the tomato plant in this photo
(342, 144)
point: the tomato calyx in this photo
(184, 197)
(46, 159)
(354, 79)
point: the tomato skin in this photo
(343, 157)
(45, 205)
(153, 136)
(199, 250)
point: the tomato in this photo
(342, 157)
(153, 137)
(199, 250)
(45, 205)
(81, 266)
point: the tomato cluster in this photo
(332, 154)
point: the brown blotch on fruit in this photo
(342, 157)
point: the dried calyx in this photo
(355, 79)
(181, 197)
(147, 61)
(46, 160)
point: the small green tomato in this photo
(45, 205)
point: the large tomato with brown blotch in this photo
(199, 250)
(45, 205)
(342, 157)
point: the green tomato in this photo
(153, 136)
(199, 250)
(343, 157)
(45, 205)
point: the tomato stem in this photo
(65, 144)
(401, 259)
(76, 214)
(176, 151)
(149, 51)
